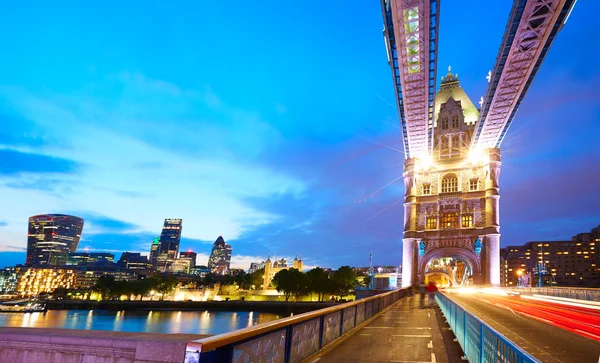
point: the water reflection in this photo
(189, 322)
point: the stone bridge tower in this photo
(451, 206)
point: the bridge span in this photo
(481, 324)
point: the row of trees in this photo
(111, 289)
(292, 282)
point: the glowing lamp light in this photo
(519, 272)
(424, 163)
(477, 157)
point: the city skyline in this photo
(289, 154)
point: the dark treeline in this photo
(292, 282)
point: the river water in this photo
(187, 322)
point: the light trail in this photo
(574, 317)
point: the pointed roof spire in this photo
(296, 258)
(450, 80)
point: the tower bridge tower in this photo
(451, 204)
(451, 149)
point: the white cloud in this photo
(201, 173)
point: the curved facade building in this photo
(51, 237)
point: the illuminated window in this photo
(467, 220)
(426, 188)
(473, 184)
(444, 123)
(449, 220)
(455, 121)
(431, 222)
(449, 184)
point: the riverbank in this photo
(280, 308)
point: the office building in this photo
(51, 237)
(87, 276)
(189, 255)
(220, 257)
(83, 258)
(134, 261)
(8, 280)
(164, 251)
(32, 281)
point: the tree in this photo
(344, 281)
(318, 282)
(60, 293)
(257, 278)
(166, 284)
(291, 282)
(140, 288)
(366, 281)
(105, 286)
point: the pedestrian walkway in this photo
(403, 333)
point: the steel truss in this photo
(411, 34)
(531, 29)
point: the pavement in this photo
(405, 333)
(546, 342)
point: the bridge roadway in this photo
(404, 333)
(548, 331)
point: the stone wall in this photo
(26, 345)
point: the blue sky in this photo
(272, 124)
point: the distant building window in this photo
(444, 123)
(449, 220)
(431, 222)
(455, 122)
(449, 184)
(473, 184)
(426, 189)
(467, 220)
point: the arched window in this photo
(444, 123)
(455, 122)
(449, 184)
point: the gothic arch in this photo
(469, 257)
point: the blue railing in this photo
(480, 342)
(291, 339)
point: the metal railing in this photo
(565, 292)
(480, 342)
(291, 339)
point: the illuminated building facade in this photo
(87, 276)
(180, 266)
(51, 237)
(32, 281)
(451, 204)
(134, 261)
(8, 280)
(573, 263)
(82, 258)
(220, 257)
(189, 255)
(166, 250)
(272, 268)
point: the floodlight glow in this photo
(477, 157)
(424, 162)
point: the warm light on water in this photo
(186, 322)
